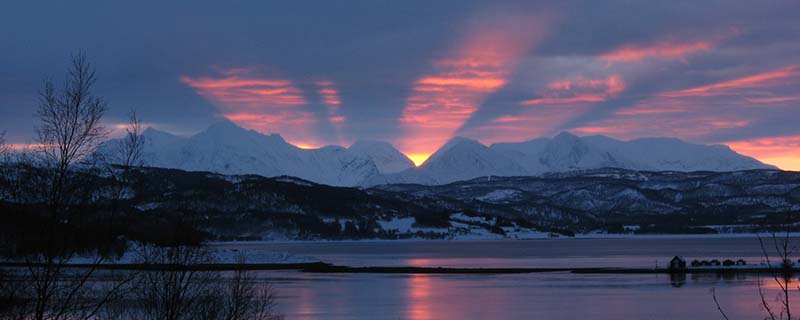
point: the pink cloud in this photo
(667, 48)
(265, 104)
(443, 100)
(699, 112)
(330, 97)
(579, 90)
(749, 85)
(559, 102)
(661, 49)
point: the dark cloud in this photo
(374, 52)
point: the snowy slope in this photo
(229, 149)
(462, 159)
(662, 154)
(564, 152)
(383, 154)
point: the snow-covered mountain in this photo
(229, 149)
(383, 154)
(462, 158)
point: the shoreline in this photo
(323, 268)
(586, 236)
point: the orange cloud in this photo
(699, 112)
(661, 49)
(330, 97)
(560, 102)
(579, 90)
(689, 125)
(782, 151)
(442, 101)
(17, 147)
(745, 85)
(769, 100)
(532, 122)
(268, 105)
(327, 90)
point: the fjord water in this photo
(559, 295)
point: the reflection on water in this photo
(559, 295)
(530, 296)
(419, 297)
(647, 252)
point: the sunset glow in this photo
(493, 72)
(267, 105)
(783, 152)
(442, 101)
(668, 48)
(421, 160)
(418, 158)
(751, 85)
(665, 49)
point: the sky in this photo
(417, 73)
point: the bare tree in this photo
(180, 288)
(244, 298)
(4, 148)
(132, 145)
(177, 289)
(122, 159)
(4, 163)
(69, 130)
(781, 274)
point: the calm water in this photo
(529, 296)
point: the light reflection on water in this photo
(560, 295)
(647, 252)
(529, 296)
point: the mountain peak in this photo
(150, 131)
(385, 156)
(461, 141)
(566, 136)
(226, 147)
(370, 144)
(225, 126)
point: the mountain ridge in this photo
(229, 149)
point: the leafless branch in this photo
(4, 148)
(68, 132)
(721, 312)
(69, 126)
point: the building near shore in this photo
(677, 263)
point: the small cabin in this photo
(705, 263)
(677, 263)
(741, 262)
(728, 263)
(715, 263)
(696, 263)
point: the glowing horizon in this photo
(490, 71)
